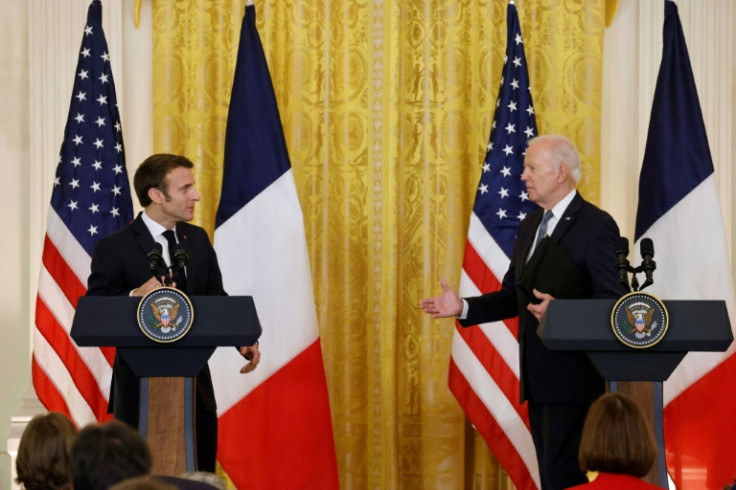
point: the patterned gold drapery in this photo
(386, 107)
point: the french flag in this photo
(275, 424)
(679, 210)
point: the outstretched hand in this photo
(447, 304)
(539, 309)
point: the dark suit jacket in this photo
(119, 265)
(588, 235)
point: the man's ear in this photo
(562, 172)
(156, 195)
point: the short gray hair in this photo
(564, 152)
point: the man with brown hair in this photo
(164, 185)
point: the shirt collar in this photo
(155, 228)
(559, 209)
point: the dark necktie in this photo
(543, 227)
(179, 276)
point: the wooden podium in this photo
(585, 325)
(167, 371)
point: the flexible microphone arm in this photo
(622, 262)
(648, 265)
(181, 258)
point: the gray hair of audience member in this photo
(106, 454)
(617, 437)
(44, 453)
(563, 152)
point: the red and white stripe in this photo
(67, 378)
(484, 367)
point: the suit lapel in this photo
(527, 234)
(567, 218)
(142, 235)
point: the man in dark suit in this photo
(558, 386)
(164, 185)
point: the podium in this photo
(167, 371)
(585, 325)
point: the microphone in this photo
(648, 265)
(181, 258)
(155, 259)
(622, 261)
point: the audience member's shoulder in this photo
(146, 482)
(186, 483)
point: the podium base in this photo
(648, 395)
(167, 423)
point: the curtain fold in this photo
(386, 107)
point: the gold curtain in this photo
(386, 107)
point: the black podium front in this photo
(585, 325)
(167, 371)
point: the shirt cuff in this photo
(464, 314)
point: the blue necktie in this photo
(543, 227)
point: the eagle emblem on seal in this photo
(165, 316)
(639, 321)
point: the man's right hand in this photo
(447, 304)
(147, 287)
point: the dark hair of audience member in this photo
(143, 483)
(106, 454)
(617, 438)
(43, 460)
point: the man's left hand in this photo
(252, 354)
(539, 309)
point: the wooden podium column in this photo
(643, 394)
(167, 423)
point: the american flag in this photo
(484, 368)
(90, 198)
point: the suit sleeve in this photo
(214, 276)
(600, 260)
(495, 306)
(107, 276)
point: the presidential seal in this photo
(639, 320)
(165, 315)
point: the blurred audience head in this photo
(205, 477)
(44, 452)
(106, 454)
(143, 483)
(617, 438)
